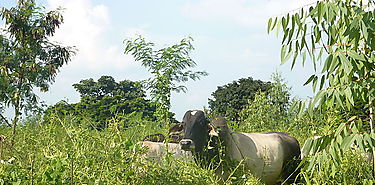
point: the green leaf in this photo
(345, 62)
(347, 142)
(286, 33)
(315, 82)
(349, 95)
(269, 25)
(294, 58)
(307, 146)
(278, 27)
(274, 24)
(320, 11)
(334, 64)
(322, 80)
(327, 63)
(317, 34)
(359, 141)
(285, 55)
(309, 80)
(364, 30)
(340, 129)
(303, 57)
(356, 56)
(283, 22)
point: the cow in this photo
(266, 155)
(158, 146)
(156, 151)
(155, 138)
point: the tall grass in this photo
(64, 153)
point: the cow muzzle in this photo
(187, 144)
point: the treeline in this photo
(105, 100)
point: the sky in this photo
(230, 41)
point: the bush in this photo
(352, 169)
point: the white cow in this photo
(156, 151)
(266, 155)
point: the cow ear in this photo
(176, 130)
(212, 131)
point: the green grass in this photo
(63, 152)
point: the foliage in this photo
(228, 100)
(268, 110)
(340, 34)
(261, 115)
(353, 169)
(63, 153)
(104, 100)
(168, 66)
(28, 59)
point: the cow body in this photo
(265, 155)
(156, 151)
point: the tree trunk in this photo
(17, 113)
(372, 134)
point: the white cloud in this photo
(244, 12)
(88, 27)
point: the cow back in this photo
(156, 151)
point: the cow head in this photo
(195, 126)
(176, 129)
(219, 127)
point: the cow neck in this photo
(230, 138)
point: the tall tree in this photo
(169, 66)
(340, 34)
(28, 59)
(228, 100)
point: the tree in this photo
(103, 100)
(169, 66)
(269, 109)
(340, 34)
(28, 59)
(230, 99)
(107, 86)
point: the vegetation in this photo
(105, 100)
(28, 59)
(268, 110)
(60, 146)
(228, 100)
(341, 36)
(63, 153)
(168, 66)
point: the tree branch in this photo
(5, 120)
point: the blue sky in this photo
(230, 40)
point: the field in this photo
(97, 140)
(63, 152)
